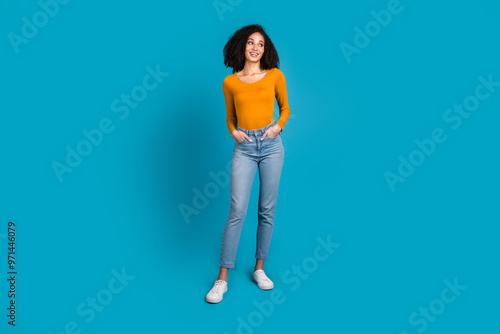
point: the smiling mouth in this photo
(253, 54)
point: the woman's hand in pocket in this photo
(240, 136)
(272, 132)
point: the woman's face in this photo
(255, 47)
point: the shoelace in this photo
(262, 276)
(217, 287)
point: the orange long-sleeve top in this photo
(251, 105)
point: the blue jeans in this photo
(268, 156)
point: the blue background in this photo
(119, 208)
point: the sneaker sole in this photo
(260, 287)
(216, 301)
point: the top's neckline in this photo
(249, 83)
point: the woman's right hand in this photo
(240, 136)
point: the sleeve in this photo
(282, 98)
(231, 119)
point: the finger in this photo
(248, 138)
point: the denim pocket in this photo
(274, 137)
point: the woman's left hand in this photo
(272, 132)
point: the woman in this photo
(249, 94)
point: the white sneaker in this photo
(262, 280)
(215, 294)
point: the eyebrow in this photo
(252, 39)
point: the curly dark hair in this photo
(234, 50)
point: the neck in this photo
(251, 67)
